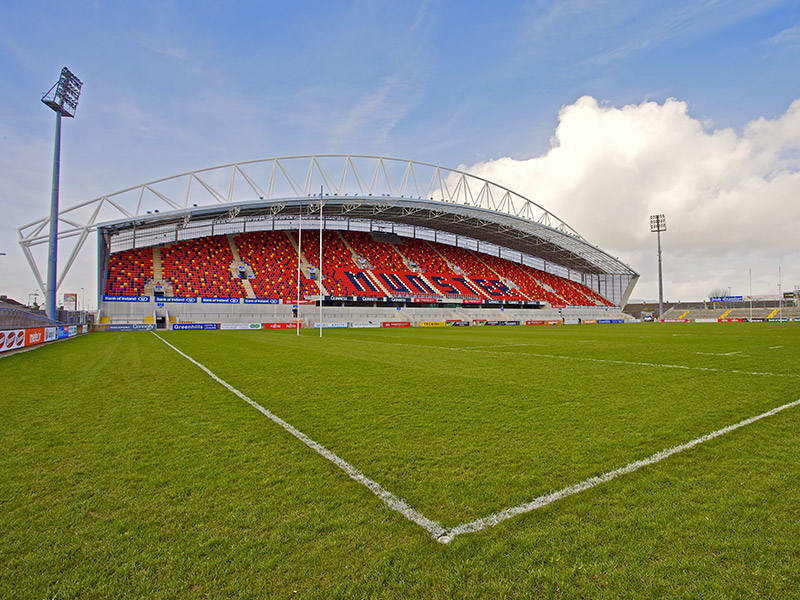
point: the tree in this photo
(718, 292)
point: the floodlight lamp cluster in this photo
(658, 223)
(63, 96)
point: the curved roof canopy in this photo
(351, 187)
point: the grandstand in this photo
(740, 312)
(401, 241)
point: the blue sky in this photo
(174, 86)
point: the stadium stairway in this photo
(450, 264)
(158, 276)
(151, 285)
(410, 267)
(304, 263)
(248, 288)
(377, 282)
(470, 265)
(370, 275)
(485, 265)
(237, 263)
(456, 268)
(550, 289)
(353, 253)
(234, 249)
(158, 273)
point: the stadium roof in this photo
(351, 187)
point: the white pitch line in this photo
(488, 346)
(392, 501)
(775, 347)
(583, 358)
(446, 535)
(494, 519)
(658, 365)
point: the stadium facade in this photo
(401, 240)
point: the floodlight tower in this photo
(658, 223)
(63, 99)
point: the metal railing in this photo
(14, 318)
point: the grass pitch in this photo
(126, 471)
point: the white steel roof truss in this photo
(417, 183)
(163, 197)
(549, 229)
(290, 179)
(230, 185)
(393, 190)
(214, 193)
(362, 183)
(443, 189)
(343, 179)
(326, 180)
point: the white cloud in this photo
(786, 37)
(730, 198)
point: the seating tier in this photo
(202, 268)
(129, 271)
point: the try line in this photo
(446, 534)
(633, 363)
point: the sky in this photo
(604, 113)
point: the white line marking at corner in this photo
(392, 501)
(492, 520)
(446, 535)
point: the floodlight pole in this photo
(660, 280)
(658, 223)
(63, 99)
(52, 247)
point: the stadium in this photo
(402, 454)
(395, 241)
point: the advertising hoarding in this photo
(34, 336)
(108, 298)
(285, 325)
(218, 300)
(130, 327)
(70, 301)
(10, 339)
(240, 326)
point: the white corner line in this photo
(494, 519)
(391, 501)
(445, 535)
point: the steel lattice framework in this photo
(373, 188)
